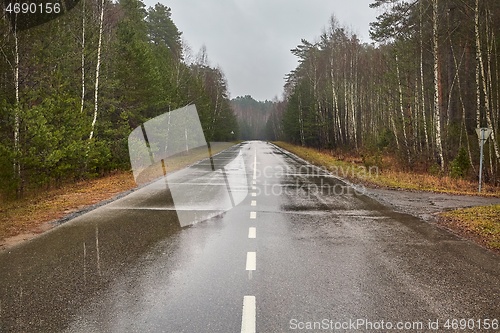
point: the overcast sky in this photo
(251, 39)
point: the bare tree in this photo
(437, 83)
(422, 91)
(483, 81)
(83, 57)
(97, 69)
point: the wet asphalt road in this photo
(299, 248)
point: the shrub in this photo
(459, 167)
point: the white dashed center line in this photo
(248, 317)
(248, 320)
(255, 166)
(252, 232)
(251, 261)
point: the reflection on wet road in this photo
(300, 247)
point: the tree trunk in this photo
(484, 83)
(422, 90)
(97, 69)
(301, 123)
(401, 109)
(17, 121)
(437, 97)
(393, 124)
(83, 57)
(353, 101)
(464, 115)
(335, 103)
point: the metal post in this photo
(483, 134)
(481, 158)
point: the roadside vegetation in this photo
(481, 224)
(73, 89)
(384, 171)
(412, 100)
(30, 214)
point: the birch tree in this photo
(83, 57)
(17, 163)
(483, 77)
(437, 83)
(97, 71)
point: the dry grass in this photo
(481, 223)
(386, 174)
(33, 211)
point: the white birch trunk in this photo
(401, 110)
(17, 163)
(417, 144)
(347, 108)
(353, 105)
(484, 83)
(422, 91)
(301, 124)
(335, 99)
(437, 108)
(97, 69)
(478, 56)
(83, 57)
(393, 124)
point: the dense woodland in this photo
(257, 119)
(419, 91)
(72, 89)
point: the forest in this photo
(257, 119)
(418, 91)
(72, 90)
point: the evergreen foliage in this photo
(44, 127)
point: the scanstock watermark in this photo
(356, 325)
(367, 325)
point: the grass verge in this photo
(32, 211)
(480, 223)
(386, 175)
(30, 214)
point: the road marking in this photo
(254, 194)
(252, 233)
(249, 314)
(255, 165)
(254, 182)
(253, 215)
(251, 261)
(253, 203)
(254, 187)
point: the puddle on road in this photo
(47, 279)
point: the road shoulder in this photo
(445, 210)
